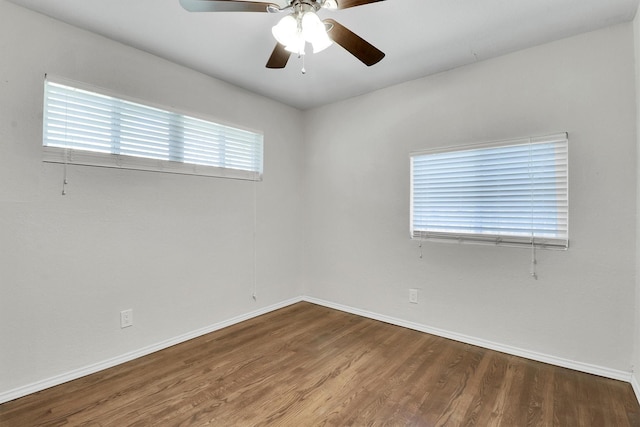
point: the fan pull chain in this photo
(304, 70)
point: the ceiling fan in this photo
(300, 27)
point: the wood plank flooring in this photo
(307, 365)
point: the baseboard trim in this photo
(109, 363)
(636, 386)
(515, 351)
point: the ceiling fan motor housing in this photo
(305, 5)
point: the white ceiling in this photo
(419, 37)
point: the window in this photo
(511, 192)
(83, 127)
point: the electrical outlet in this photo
(413, 296)
(126, 318)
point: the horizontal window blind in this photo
(512, 193)
(101, 130)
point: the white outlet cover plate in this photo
(126, 318)
(413, 296)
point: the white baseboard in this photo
(527, 354)
(540, 357)
(636, 386)
(109, 363)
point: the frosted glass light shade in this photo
(296, 45)
(293, 35)
(286, 31)
(314, 31)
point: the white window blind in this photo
(85, 127)
(511, 192)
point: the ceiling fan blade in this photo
(356, 45)
(279, 57)
(345, 4)
(226, 6)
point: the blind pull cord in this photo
(66, 148)
(254, 294)
(533, 245)
(422, 234)
(64, 173)
(534, 261)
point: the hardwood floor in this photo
(307, 365)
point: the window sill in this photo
(89, 158)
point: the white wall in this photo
(176, 249)
(358, 251)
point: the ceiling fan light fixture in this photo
(296, 46)
(286, 30)
(315, 32)
(294, 30)
(320, 45)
